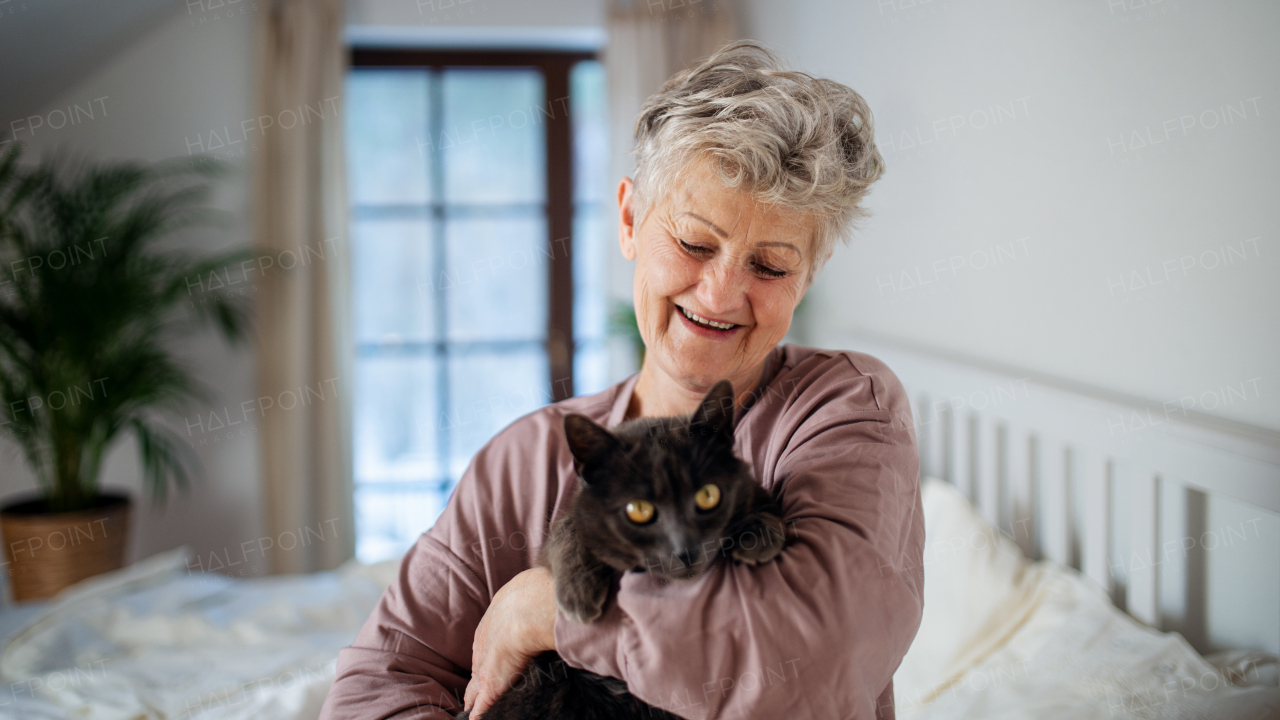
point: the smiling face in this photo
(718, 276)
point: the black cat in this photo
(665, 496)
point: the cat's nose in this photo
(684, 554)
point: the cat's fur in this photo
(664, 461)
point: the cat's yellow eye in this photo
(640, 511)
(707, 497)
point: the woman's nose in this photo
(722, 288)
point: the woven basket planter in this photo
(48, 551)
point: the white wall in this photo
(188, 78)
(1084, 190)
(1070, 147)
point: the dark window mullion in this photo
(438, 59)
(450, 210)
(435, 120)
(438, 485)
(438, 347)
(559, 155)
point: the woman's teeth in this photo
(708, 323)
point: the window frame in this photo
(555, 66)
(560, 210)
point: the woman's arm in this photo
(410, 659)
(413, 656)
(816, 633)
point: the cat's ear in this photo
(588, 442)
(717, 409)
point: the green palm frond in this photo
(164, 456)
(95, 287)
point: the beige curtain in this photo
(650, 40)
(304, 364)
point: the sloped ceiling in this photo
(47, 46)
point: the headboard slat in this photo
(1094, 483)
(1020, 488)
(988, 470)
(1055, 508)
(1142, 561)
(957, 432)
(931, 433)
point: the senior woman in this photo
(746, 175)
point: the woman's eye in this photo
(769, 272)
(697, 250)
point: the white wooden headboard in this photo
(1116, 487)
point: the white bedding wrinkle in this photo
(1004, 637)
(154, 641)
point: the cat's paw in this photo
(583, 601)
(760, 541)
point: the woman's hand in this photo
(519, 624)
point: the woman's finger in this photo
(483, 701)
(498, 676)
(476, 693)
(473, 689)
(478, 650)
(486, 693)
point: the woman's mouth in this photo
(698, 322)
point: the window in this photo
(477, 192)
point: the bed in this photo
(1023, 607)
(155, 640)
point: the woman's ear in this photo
(626, 220)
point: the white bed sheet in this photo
(156, 642)
(1000, 638)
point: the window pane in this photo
(496, 278)
(589, 106)
(493, 139)
(392, 281)
(386, 122)
(395, 419)
(591, 367)
(487, 392)
(590, 243)
(389, 522)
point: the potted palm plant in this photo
(95, 287)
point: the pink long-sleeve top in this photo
(817, 633)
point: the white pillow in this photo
(976, 591)
(1004, 637)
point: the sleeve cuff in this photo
(596, 646)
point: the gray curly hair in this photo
(791, 140)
